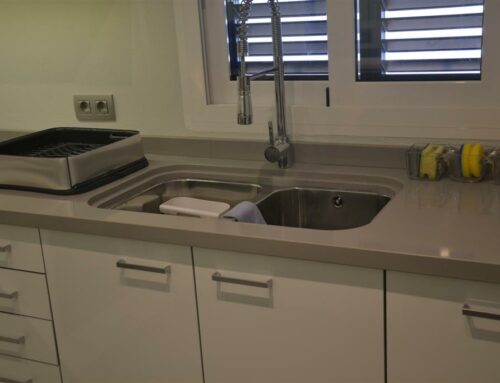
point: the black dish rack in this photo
(92, 157)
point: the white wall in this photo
(53, 49)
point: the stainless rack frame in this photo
(73, 173)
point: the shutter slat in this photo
(440, 22)
(297, 8)
(289, 48)
(289, 29)
(418, 4)
(430, 65)
(429, 44)
(295, 68)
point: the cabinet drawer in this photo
(28, 338)
(430, 336)
(24, 293)
(20, 249)
(17, 370)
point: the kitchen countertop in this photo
(438, 228)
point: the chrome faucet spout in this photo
(279, 72)
(279, 148)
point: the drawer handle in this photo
(7, 380)
(5, 248)
(12, 295)
(19, 340)
(468, 311)
(150, 269)
(217, 277)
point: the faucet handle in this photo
(271, 133)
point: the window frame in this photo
(359, 111)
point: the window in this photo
(305, 39)
(366, 111)
(419, 39)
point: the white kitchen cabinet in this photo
(290, 321)
(115, 324)
(430, 340)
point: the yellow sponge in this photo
(466, 148)
(428, 161)
(476, 160)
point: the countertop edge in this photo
(390, 261)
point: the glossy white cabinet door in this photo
(429, 338)
(305, 322)
(121, 325)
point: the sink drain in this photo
(338, 201)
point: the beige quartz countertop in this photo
(439, 228)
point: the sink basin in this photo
(321, 209)
(294, 202)
(220, 191)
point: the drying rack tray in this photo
(62, 142)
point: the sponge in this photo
(428, 161)
(464, 159)
(475, 160)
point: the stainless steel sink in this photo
(321, 209)
(280, 200)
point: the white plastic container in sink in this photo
(194, 207)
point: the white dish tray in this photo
(194, 207)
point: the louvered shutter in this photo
(420, 39)
(305, 38)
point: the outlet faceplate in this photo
(94, 107)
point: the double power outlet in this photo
(94, 108)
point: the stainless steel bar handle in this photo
(12, 295)
(5, 248)
(8, 380)
(19, 340)
(470, 312)
(217, 277)
(122, 264)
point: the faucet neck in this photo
(279, 70)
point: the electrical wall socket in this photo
(94, 108)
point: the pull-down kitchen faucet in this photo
(279, 146)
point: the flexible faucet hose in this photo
(242, 27)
